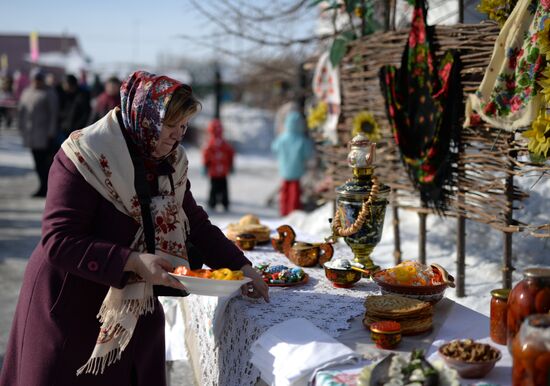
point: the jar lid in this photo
(385, 327)
(501, 293)
(538, 320)
(536, 272)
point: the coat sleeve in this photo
(308, 149)
(68, 229)
(217, 250)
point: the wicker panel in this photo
(487, 156)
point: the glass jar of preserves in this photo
(530, 296)
(499, 300)
(531, 352)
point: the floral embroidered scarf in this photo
(423, 101)
(101, 155)
(509, 96)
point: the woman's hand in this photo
(257, 288)
(153, 269)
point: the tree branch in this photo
(266, 17)
(245, 58)
(258, 40)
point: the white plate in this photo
(210, 287)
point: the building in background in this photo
(58, 54)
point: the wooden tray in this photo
(303, 281)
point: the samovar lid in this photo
(362, 152)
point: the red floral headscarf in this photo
(144, 100)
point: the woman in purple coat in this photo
(92, 258)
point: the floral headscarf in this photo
(423, 99)
(509, 96)
(144, 100)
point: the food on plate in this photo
(248, 224)
(396, 369)
(415, 316)
(218, 274)
(185, 271)
(281, 274)
(227, 274)
(411, 273)
(414, 280)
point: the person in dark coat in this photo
(74, 108)
(91, 256)
(37, 121)
(106, 100)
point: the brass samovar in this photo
(361, 204)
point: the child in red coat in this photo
(218, 162)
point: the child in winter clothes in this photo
(218, 162)
(292, 148)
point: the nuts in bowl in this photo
(469, 358)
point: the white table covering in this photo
(330, 309)
(337, 312)
(288, 353)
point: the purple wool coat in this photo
(83, 251)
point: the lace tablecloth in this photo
(227, 363)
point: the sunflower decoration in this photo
(497, 10)
(365, 124)
(317, 115)
(539, 135)
(544, 83)
(543, 39)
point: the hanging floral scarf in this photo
(509, 96)
(326, 87)
(423, 101)
(101, 155)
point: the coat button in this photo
(93, 266)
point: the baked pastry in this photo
(394, 305)
(248, 224)
(415, 316)
(249, 219)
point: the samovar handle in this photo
(371, 157)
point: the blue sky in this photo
(138, 31)
(112, 30)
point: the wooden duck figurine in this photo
(301, 253)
